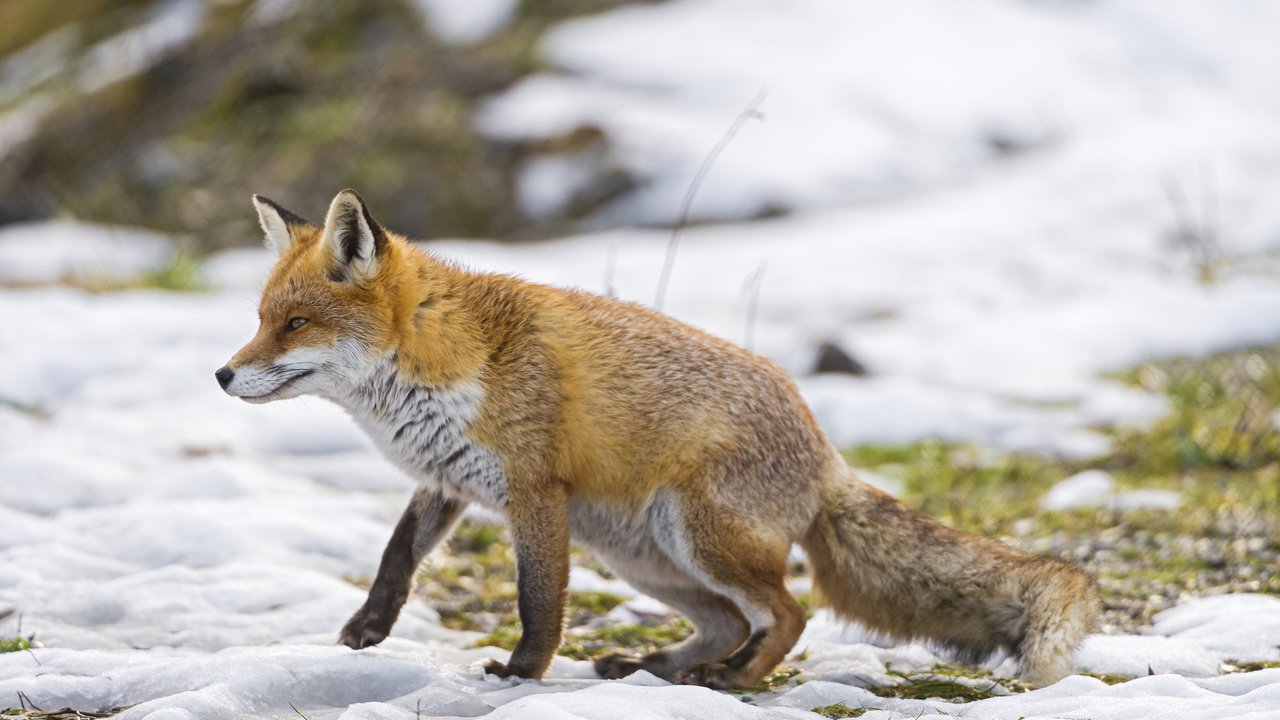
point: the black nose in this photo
(224, 375)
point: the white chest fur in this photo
(423, 430)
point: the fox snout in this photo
(224, 375)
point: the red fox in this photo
(687, 464)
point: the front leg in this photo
(428, 518)
(539, 520)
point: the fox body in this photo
(688, 465)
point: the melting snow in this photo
(184, 553)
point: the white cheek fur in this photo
(297, 372)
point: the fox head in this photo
(328, 308)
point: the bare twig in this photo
(751, 292)
(1196, 235)
(682, 219)
(610, 263)
(25, 701)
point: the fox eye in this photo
(294, 324)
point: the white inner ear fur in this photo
(344, 222)
(277, 237)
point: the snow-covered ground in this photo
(983, 219)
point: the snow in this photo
(188, 555)
(983, 335)
(21, 123)
(1090, 488)
(1174, 82)
(466, 23)
(987, 225)
(61, 250)
(1096, 488)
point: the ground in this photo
(179, 554)
(1051, 242)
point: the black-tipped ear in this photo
(356, 242)
(278, 224)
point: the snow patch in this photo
(48, 252)
(1096, 488)
(466, 23)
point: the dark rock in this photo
(834, 359)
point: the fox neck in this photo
(437, 340)
(422, 428)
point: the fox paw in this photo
(504, 670)
(617, 665)
(716, 676)
(364, 630)
(495, 667)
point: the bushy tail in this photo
(902, 573)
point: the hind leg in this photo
(743, 562)
(718, 629)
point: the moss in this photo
(14, 644)
(473, 583)
(636, 638)
(932, 687)
(774, 680)
(505, 636)
(474, 537)
(593, 603)
(806, 603)
(1109, 679)
(473, 587)
(181, 274)
(839, 710)
(1221, 418)
(586, 644)
(1238, 666)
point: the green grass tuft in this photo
(932, 687)
(1242, 667)
(504, 636)
(778, 678)
(180, 274)
(840, 710)
(636, 638)
(14, 644)
(1108, 678)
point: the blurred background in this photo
(997, 200)
(162, 114)
(517, 120)
(1022, 257)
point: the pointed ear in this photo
(355, 242)
(277, 223)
